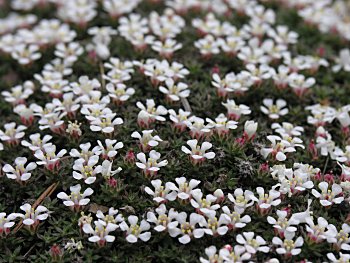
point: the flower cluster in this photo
(168, 120)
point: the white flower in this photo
(282, 36)
(36, 141)
(160, 193)
(281, 76)
(158, 71)
(266, 200)
(328, 196)
(119, 66)
(84, 85)
(147, 140)
(287, 128)
(214, 226)
(250, 128)
(343, 61)
(342, 115)
(210, 24)
(222, 125)
(26, 114)
(76, 199)
(32, 215)
(150, 166)
(340, 239)
(187, 229)
(12, 134)
(78, 12)
(326, 144)
(135, 231)
(69, 52)
(167, 25)
(95, 98)
(198, 128)
(85, 152)
(314, 63)
(235, 219)
(241, 200)
(227, 85)
(279, 148)
(288, 246)
(212, 255)
(55, 87)
(317, 233)
(231, 44)
(235, 111)
(115, 8)
(180, 120)
(105, 123)
(18, 94)
(86, 170)
(110, 150)
(208, 45)
(295, 64)
(253, 53)
(106, 169)
(19, 172)
(252, 245)
(302, 216)
(184, 188)
(74, 130)
(282, 224)
(167, 47)
(299, 83)
(297, 181)
(261, 14)
(163, 218)
(258, 74)
(6, 222)
(198, 153)
(293, 141)
(237, 253)
(175, 91)
(274, 111)
(343, 258)
(203, 205)
(101, 232)
(150, 113)
(112, 216)
(306, 168)
(273, 50)
(48, 157)
(25, 54)
(119, 93)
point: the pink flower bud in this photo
(329, 178)
(130, 157)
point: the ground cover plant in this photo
(174, 131)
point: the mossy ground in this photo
(233, 166)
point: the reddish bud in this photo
(130, 157)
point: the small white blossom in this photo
(274, 111)
(328, 196)
(161, 193)
(135, 231)
(101, 233)
(198, 153)
(19, 172)
(150, 166)
(76, 200)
